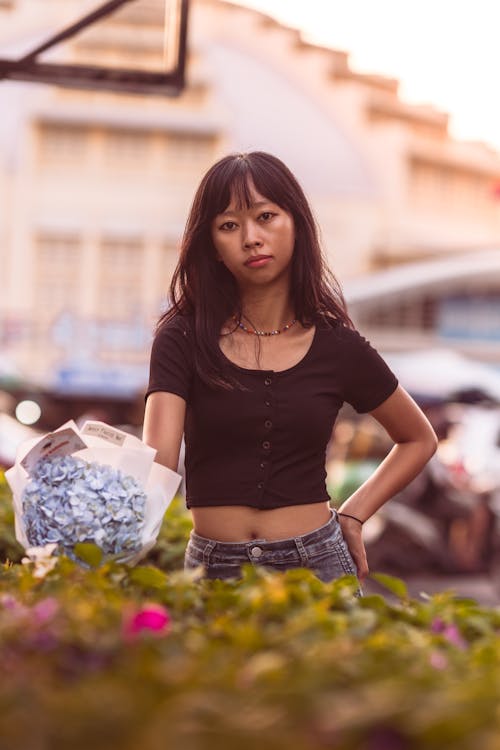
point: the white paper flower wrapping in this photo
(109, 491)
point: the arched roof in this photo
(476, 269)
(267, 110)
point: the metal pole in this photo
(104, 10)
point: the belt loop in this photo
(302, 550)
(208, 551)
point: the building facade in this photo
(95, 186)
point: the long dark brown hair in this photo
(205, 290)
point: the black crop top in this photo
(265, 447)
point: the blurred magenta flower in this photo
(449, 631)
(45, 609)
(16, 609)
(8, 601)
(438, 660)
(387, 738)
(151, 617)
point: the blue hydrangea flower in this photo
(69, 500)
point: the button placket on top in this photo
(266, 443)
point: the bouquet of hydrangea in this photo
(97, 485)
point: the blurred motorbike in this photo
(447, 520)
(432, 526)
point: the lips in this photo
(257, 260)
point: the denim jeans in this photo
(323, 551)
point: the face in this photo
(256, 243)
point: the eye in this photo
(267, 215)
(228, 226)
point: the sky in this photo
(443, 52)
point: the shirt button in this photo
(268, 381)
(262, 464)
(267, 403)
(260, 485)
(268, 424)
(266, 445)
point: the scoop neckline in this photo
(275, 372)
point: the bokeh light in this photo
(28, 412)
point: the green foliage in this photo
(10, 549)
(276, 661)
(89, 553)
(168, 552)
(395, 585)
(352, 475)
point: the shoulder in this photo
(335, 331)
(366, 379)
(173, 337)
(350, 347)
(171, 362)
(178, 327)
(176, 324)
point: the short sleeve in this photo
(171, 363)
(367, 379)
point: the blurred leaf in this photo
(10, 549)
(278, 661)
(393, 584)
(89, 553)
(148, 577)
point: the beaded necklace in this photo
(264, 333)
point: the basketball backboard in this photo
(134, 46)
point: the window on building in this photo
(61, 144)
(120, 278)
(185, 151)
(160, 287)
(418, 313)
(126, 149)
(57, 275)
(447, 187)
(169, 258)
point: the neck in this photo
(265, 312)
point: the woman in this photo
(252, 362)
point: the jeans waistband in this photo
(317, 535)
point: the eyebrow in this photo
(252, 205)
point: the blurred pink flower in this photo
(17, 610)
(8, 601)
(449, 631)
(438, 660)
(45, 609)
(453, 635)
(151, 617)
(437, 625)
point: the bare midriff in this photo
(241, 523)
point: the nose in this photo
(251, 237)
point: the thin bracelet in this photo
(349, 516)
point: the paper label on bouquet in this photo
(105, 432)
(59, 443)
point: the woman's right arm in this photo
(164, 426)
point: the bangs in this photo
(235, 181)
(239, 191)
